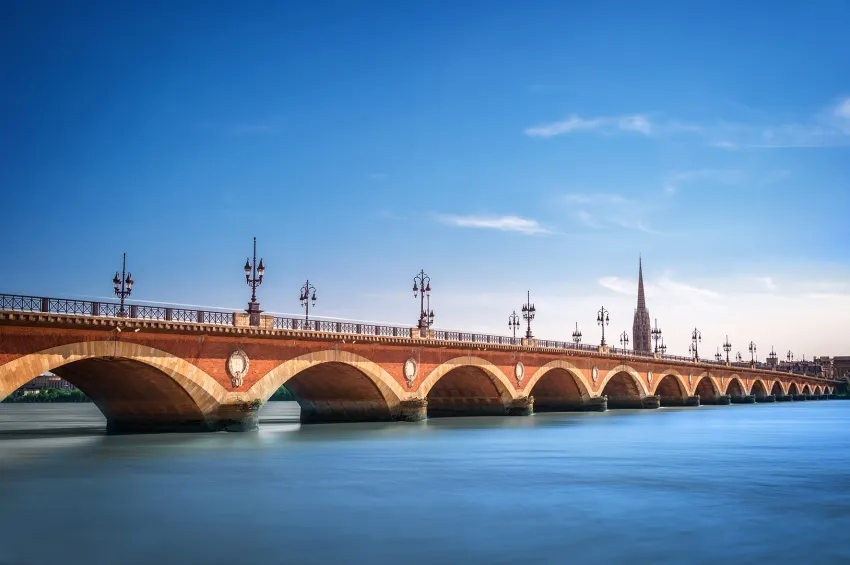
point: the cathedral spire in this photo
(641, 298)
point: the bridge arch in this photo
(558, 386)
(776, 389)
(793, 389)
(671, 387)
(818, 390)
(807, 391)
(735, 387)
(707, 388)
(334, 386)
(624, 387)
(467, 386)
(758, 388)
(138, 388)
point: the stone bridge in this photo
(214, 371)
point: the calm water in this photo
(763, 483)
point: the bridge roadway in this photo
(163, 369)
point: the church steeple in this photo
(641, 298)
(641, 331)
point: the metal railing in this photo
(36, 304)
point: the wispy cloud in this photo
(587, 219)
(674, 180)
(829, 127)
(634, 123)
(638, 225)
(502, 223)
(619, 285)
(767, 282)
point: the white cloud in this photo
(618, 285)
(634, 123)
(830, 127)
(503, 223)
(767, 282)
(683, 290)
(587, 219)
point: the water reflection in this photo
(746, 483)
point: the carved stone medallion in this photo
(649, 376)
(519, 371)
(691, 379)
(237, 367)
(594, 374)
(410, 370)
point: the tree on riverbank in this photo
(48, 395)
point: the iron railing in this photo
(20, 303)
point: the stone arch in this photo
(558, 386)
(334, 386)
(793, 389)
(671, 387)
(467, 386)
(624, 387)
(707, 389)
(807, 391)
(818, 390)
(164, 393)
(735, 387)
(758, 388)
(776, 389)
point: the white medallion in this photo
(237, 367)
(649, 376)
(410, 370)
(519, 371)
(690, 379)
(594, 374)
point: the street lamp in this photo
(513, 322)
(696, 338)
(426, 315)
(123, 286)
(656, 334)
(603, 320)
(254, 278)
(306, 298)
(624, 340)
(662, 348)
(727, 347)
(528, 311)
(738, 357)
(577, 335)
(771, 358)
(718, 356)
(789, 356)
(752, 353)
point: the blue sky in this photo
(500, 146)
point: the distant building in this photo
(641, 328)
(45, 381)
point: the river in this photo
(767, 483)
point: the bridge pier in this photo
(720, 400)
(784, 398)
(745, 399)
(414, 410)
(768, 398)
(241, 417)
(650, 402)
(680, 401)
(692, 400)
(596, 404)
(800, 397)
(523, 406)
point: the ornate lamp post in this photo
(513, 322)
(696, 338)
(528, 311)
(306, 298)
(717, 356)
(577, 335)
(603, 320)
(426, 315)
(624, 340)
(123, 285)
(656, 334)
(662, 348)
(738, 357)
(789, 356)
(752, 353)
(771, 357)
(254, 277)
(727, 347)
